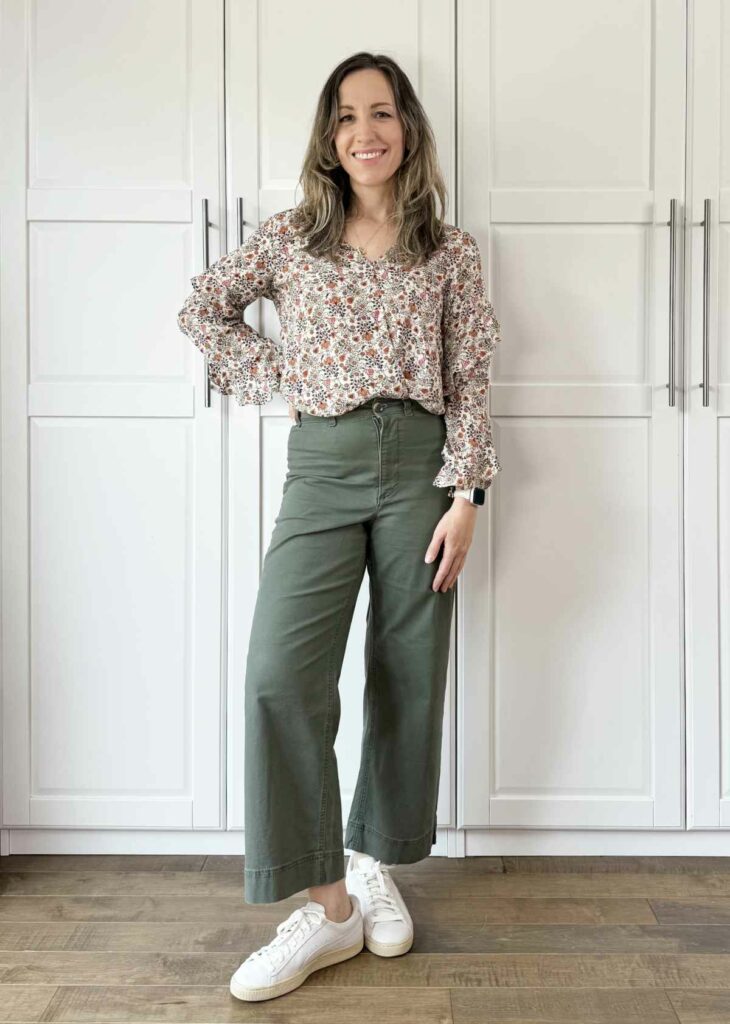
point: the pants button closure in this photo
(377, 407)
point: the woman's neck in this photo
(376, 208)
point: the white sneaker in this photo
(387, 925)
(304, 942)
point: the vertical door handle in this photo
(672, 265)
(705, 384)
(206, 264)
(240, 222)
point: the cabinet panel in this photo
(570, 673)
(112, 645)
(110, 658)
(707, 429)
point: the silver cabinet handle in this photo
(206, 264)
(672, 265)
(240, 222)
(705, 385)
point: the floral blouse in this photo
(353, 330)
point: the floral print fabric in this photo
(354, 329)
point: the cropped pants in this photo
(358, 495)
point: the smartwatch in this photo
(473, 494)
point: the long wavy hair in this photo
(320, 216)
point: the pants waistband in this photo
(377, 404)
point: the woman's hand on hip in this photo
(292, 412)
(455, 530)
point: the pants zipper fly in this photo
(379, 430)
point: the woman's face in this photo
(367, 121)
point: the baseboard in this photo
(450, 842)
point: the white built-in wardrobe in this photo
(587, 147)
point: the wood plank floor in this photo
(525, 940)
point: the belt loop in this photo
(407, 406)
(333, 421)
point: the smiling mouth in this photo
(368, 154)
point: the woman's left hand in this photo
(455, 531)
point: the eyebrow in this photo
(381, 103)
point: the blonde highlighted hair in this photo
(419, 183)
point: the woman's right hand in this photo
(292, 412)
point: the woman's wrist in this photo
(459, 502)
(471, 495)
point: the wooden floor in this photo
(518, 939)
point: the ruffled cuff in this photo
(469, 457)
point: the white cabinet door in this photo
(707, 477)
(571, 128)
(111, 464)
(276, 68)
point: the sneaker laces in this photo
(289, 935)
(377, 880)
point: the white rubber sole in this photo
(332, 956)
(388, 948)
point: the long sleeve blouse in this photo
(355, 329)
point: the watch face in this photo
(478, 495)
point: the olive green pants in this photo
(358, 495)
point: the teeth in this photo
(369, 155)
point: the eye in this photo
(384, 112)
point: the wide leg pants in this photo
(358, 496)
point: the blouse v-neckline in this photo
(364, 256)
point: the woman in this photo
(386, 342)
